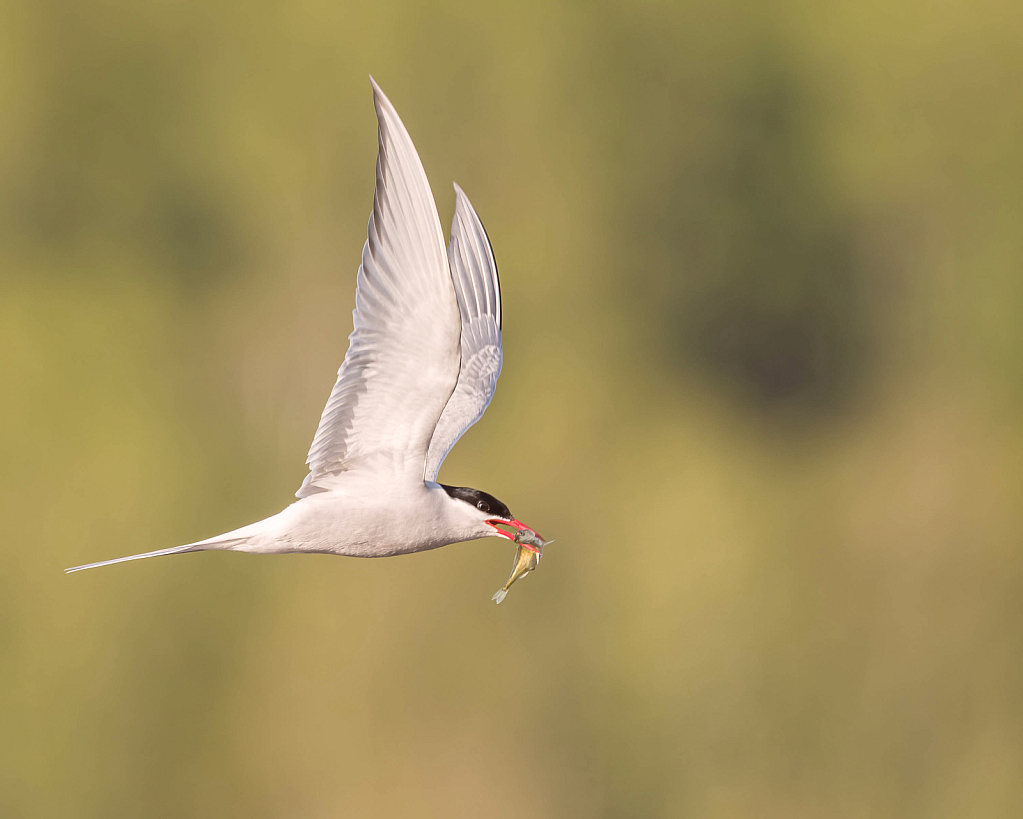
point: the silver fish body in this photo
(527, 558)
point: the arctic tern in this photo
(422, 365)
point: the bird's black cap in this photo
(486, 503)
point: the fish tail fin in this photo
(499, 596)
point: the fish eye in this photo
(483, 506)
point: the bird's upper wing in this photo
(403, 355)
(474, 272)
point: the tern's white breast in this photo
(362, 518)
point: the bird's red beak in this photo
(518, 525)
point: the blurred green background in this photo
(763, 382)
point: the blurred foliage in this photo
(763, 384)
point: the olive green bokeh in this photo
(763, 382)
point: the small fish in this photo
(527, 557)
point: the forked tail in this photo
(201, 546)
(174, 550)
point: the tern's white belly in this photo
(357, 521)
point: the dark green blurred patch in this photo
(756, 277)
(199, 246)
(776, 312)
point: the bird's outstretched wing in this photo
(474, 273)
(403, 355)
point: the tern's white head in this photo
(482, 513)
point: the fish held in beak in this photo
(527, 557)
(523, 535)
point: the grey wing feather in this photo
(403, 356)
(478, 289)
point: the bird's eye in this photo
(483, 506)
